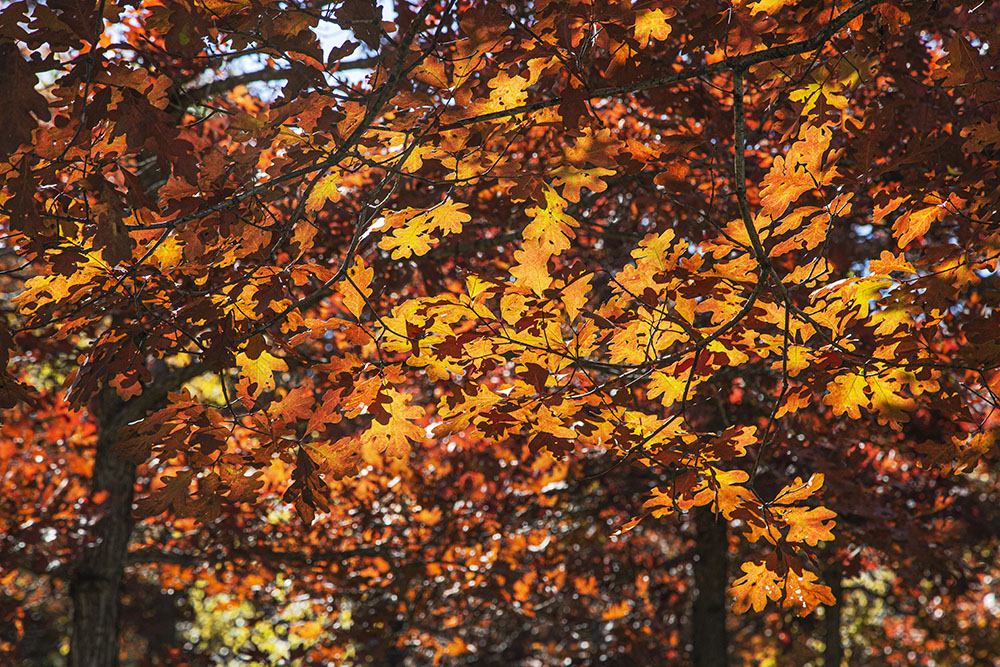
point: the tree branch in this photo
(741, 62)
(201, 93)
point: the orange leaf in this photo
(358, 289)
(757, 585)
(799, 490)
(260, 370)
(652, 23)
(888, 262)
(618, 610)
(809, 525)
(296, 404)
(392, 437)
(796, 173)
(802, 593)
(912, 224)
(532, 268)
(847, 394)
(891, 406)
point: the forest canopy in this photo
(481, 332)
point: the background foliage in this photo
(478, 332)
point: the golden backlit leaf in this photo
(795, 173)
(573, 179)
(753, 590)
(327, 189)
(809, 525)
(416, 232)
(846, 394)
(769, 6)
(576, 294)
(889, 403)
(531, 269)
(358, 288)
(889, 262)
(912, 224)
(392, 437)
(260, 370)
(652, 24)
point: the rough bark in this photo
(708, 618)
(95, 584)
(96, 580)
(833, 654)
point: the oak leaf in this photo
(652, 24)
(357, 287)
(259, 371)
(912, 224)
(846, 393)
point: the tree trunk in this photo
(96, 580)
(708, 617)
(833, 654)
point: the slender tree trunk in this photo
(708, 618)
(833, 654)
(96, 580)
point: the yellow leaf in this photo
(411, 239)
(550, 225)
(866, 291)
(575, 295)
(912, 224)
(326, 189)
(797, 172)
(847, 394)
(669, 386)
(414, 234)
(891, 406)
(549, 422)
(769, 6)
(573, 179)
(809, 525)
(826, 86)
(506, 92)
(358, 288)
(169, 254)
(475, 285)
(799, 359)
(393, 437)
(757, 585)
(448, 217)
(532, 268)
(722, 490)
(652, 23)
(260, 370)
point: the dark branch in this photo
(741, 62)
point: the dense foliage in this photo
(499, 332)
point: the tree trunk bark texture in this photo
(708, 618)
(95, 585)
